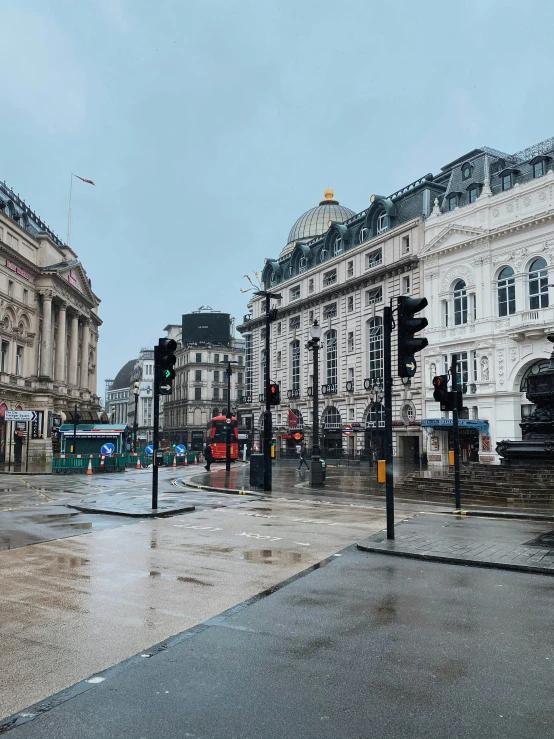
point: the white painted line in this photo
(95, 680)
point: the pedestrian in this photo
(303, 452)
(208, 456)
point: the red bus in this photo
(217, 436)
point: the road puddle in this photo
(180, 578)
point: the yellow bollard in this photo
(451, 458)
(381, 470)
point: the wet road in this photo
(367, 646)
(72, 606)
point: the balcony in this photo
(292, 394)
(331, 388)
(245, 398)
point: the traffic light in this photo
(440, 383)
(274, 394)
(408, 344)
(164, 359)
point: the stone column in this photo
(46, 363)
(61, 344)
(84, 356)
(74, 350)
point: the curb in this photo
(505, 514)
(213, 489)
(458, 560)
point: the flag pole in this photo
(69, 210)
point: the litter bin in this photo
(257, 471)
(317, 473)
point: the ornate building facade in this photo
(48, 327)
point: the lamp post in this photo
(76, 419)
(229, 418)
(316, 478)
(136, 391)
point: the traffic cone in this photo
(175, 460)
(186, 462)
(89, 468)
(196, 459)
(138, 462)
(102, 461)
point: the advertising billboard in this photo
(206, 328)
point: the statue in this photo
(485, 369)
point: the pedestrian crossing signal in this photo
(274, 394)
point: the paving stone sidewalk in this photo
(482, 542)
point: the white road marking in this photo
(259, 536)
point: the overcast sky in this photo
(210, 126)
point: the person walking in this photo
(208, 456)
(303, 452)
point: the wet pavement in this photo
(483, 542)
(367, 646)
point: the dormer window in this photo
(507, 179)
(303, 264)
(364, 235)
(467, 171)
(324, 254)
(452, 201)
(473, 192)
(382, 223)
(337, 246)
(540, 165)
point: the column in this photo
(84, 356)
(46, 362)
(59, 373)
(73, 350)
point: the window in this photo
(539, 168)
(406, 285)
(303, 264)
(331, 357)
(376, 348)
(216, 375)
(330, 311)
(248, 363)
(216, 358)
(351, 414)
(351, 374)
(4, 356)
(350, 269)
(240, 359)
(279, 360)
(474, 363)
(337, 246)
(406, 244)
(350, 341)
(279, 329)
(462, 369)
(19, 361)
(374, 296)
(350, 304)
(198, 357)
(239, 378)
(408, 413)
(473, 193)
(460, 303)
(225, 394)
(294, 292)
(198, 393)
(538, 284)
(364, 235)
(373, 259)
(216, 394)
(294, 323)
(382, 222)
(466, 171)
(329, 278)
(225, 357)
(10, 287)
(376, 416)
(506, 181)
(452, 201)
(295, 365)
(323, 255)
(25, 296)
(198, 375)
(506, 292)
(310, 317)
(310, 285)
(445, 312)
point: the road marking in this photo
(201, 528)
(259, 536)
(301, 544)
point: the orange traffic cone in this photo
(138, 462)
(186, 462)
(89, 468)
(102, 461)
(196, 459)
(175, 460)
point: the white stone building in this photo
(488, 264)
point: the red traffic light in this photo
(274, 394)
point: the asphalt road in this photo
(367, 646)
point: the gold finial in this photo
(329, 194)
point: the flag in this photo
(292, 420)
(90, 182)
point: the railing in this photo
(329, 389)
(245, 399)
(530, 315)
(291, 394)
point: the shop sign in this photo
(297, 436)
(18, 270)
(72, 278)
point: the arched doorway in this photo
(331, 423)
(374, 436)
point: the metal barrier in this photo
(79, 463)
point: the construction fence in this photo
(98, 463)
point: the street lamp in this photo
(229, 417)
(136, 391)
(316, 479)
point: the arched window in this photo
(376, 416)
(331, 418)
(382, 222)
(538, 284)
(337, 246)
(375, 344)
(541, 365)
(506, 292)
(303, 264)
(460, 303)
(331, 363)
(295, 365)
(363, 235)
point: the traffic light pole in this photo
(456, 432)
(268, 430)
(155, 435)
(387, 331)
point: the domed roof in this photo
(123, 377)
(315, 221)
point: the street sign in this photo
(149, 450)
(410, 366)
(107, 449)
(20, 415)
(243, 436)
(180, 449)
(165, 388)
(347, 430)
(227, 420)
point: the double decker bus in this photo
(217, 436)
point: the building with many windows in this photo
(487, 262)
(48, 329)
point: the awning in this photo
(466, 423)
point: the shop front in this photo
(473, 433)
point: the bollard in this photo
(102, 462)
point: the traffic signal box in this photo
(408, 326)
(443, 396)
(164, 360)
(274, 394)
